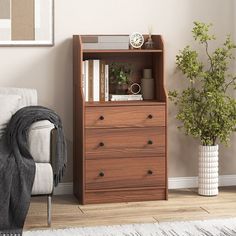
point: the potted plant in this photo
(120, 75)
(206, 109)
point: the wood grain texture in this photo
(110, 132)
(127, 116)
(78, 122)
(126, 142)
(125, 103)
(125, 173)
(123, 195)
(183, 204)
(123, 51)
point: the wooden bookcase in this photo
(120, 148)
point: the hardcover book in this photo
(90, 81)
(106, 83)
(136, 97)
(105, 39)
(102, 81)
(106, 46)
(96, 80)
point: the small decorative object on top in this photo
(136, 40)
(147, 84)
(149, 44)
(119, 74)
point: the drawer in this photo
(125, 173)
(124, 116)
(125, 142)
(125, 195)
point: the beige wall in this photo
(49, 69)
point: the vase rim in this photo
(217, 145)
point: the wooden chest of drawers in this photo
(124, 154)
(120, 148)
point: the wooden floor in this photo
(182, 205)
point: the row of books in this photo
(95, 83)
(105, 42)
(95, 80)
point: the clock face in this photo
(136, 40)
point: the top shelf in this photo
(123, 51)
(157, 39)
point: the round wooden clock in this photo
(136, 40)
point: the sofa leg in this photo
(49, 213)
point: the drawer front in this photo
(127, 116)
(124, 195)
(125, 173)
(126, 142)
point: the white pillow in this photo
(8, 106)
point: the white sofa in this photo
(39, 146)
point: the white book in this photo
(126, 99)
(86, 73)
(83, 78)
(106, 83)
(106, 46)
(137, 97)
(113, 39)
(96, 81)
(126, 96)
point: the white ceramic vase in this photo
(208, 171)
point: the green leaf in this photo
(205, 108)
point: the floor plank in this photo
(184, 204)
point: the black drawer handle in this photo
(150, 172)
(101, 144)
(101, 174)
(101, 118)
(150, 142)
(150, 116)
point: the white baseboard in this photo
(182, 182)
(192, 182)
(174, 183)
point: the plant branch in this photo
(230, 82)
(208, 54)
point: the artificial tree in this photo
(205, 108)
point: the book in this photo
(113, 39)
(90, 81)
(105, 39)
(83, 79)
(95, 84)
(106, 46)
(136, 97)
(106, 83)
(102, 81)
(86, 78)
(96, 80)
(89, 39)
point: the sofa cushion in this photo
(43, 181)
(8, 106)
(28, 96)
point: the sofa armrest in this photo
(39, 141)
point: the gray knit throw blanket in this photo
(17, 167)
